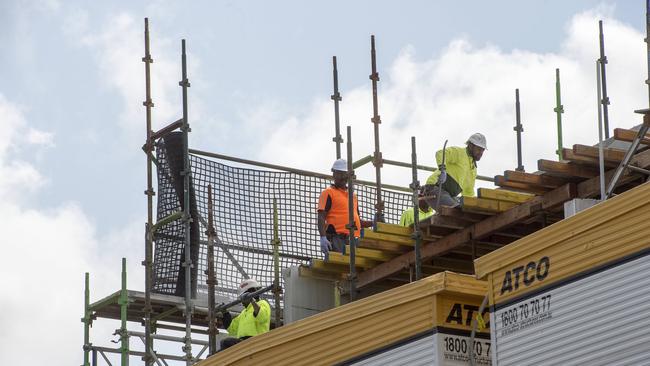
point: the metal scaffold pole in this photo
(376, 120)
(86, 320)
(559, 109)
(187, 218)
(276, 265)
(148, 103)
(211, 281)
(336, 97)
(603, 78)
(601, 159)
(417, 233)
(352, 227)
(519, 129)
(124, 304)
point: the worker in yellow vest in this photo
(458, 175)
(408, 216)
(254, 320)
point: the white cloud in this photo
(470, 88)
(118, 48)
(46, 252)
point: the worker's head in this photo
(249, 285)
(476, 145)
(340, 173)
(424, 206)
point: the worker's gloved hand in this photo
(325, 245)
(442, 178)
(246, 297)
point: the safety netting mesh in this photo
(243, 220)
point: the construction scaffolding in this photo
(219, 223)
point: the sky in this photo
(72, 172)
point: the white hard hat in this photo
(340, 165)
(478, 139)
(247, 285)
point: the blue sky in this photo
(72, 123)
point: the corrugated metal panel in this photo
(599, 235)
(420, 352)
(602, 319)
(354, 329)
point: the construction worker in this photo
(408, 216)
(457, 174)
(255, 319)
(333, 214)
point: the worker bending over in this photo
(254, 320)
(408, 216)
(333, 214)
(458, 174)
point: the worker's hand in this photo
(325, 245)
(246, 297)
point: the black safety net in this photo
(243, 220)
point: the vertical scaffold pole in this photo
(376, 120)
(601, 159)
(86, 320)
(559, 109)
(603, 78)
(519, 129)
(336, 97)
(276, 264)
(148, 249)
(647, 41)
(124, 304)
(352, 227)
(187, 218)
(417, 234)
(212, 328)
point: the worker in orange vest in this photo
(333, 214)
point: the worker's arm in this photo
(321, 222)
(264, 313)
(256, 307)
(451, 155)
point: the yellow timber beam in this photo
(503, 195)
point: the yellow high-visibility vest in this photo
(408, 217)
(460, 166)
(248, 325)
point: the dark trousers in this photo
(230, 341)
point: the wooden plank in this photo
(591, 187)
(457, 213)
(475, 232)
(394, 229)
(474, 204)
(540, 180)
(383, 246)
(344, 259)
(566, 169)
(569, 155)
(322, 266)
(502, 182)
(611, 155)
(622, 134)
(504, 195)
(373, 254)
(389, 238)
(445, 222)
(320, 275)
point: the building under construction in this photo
(398, 295)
